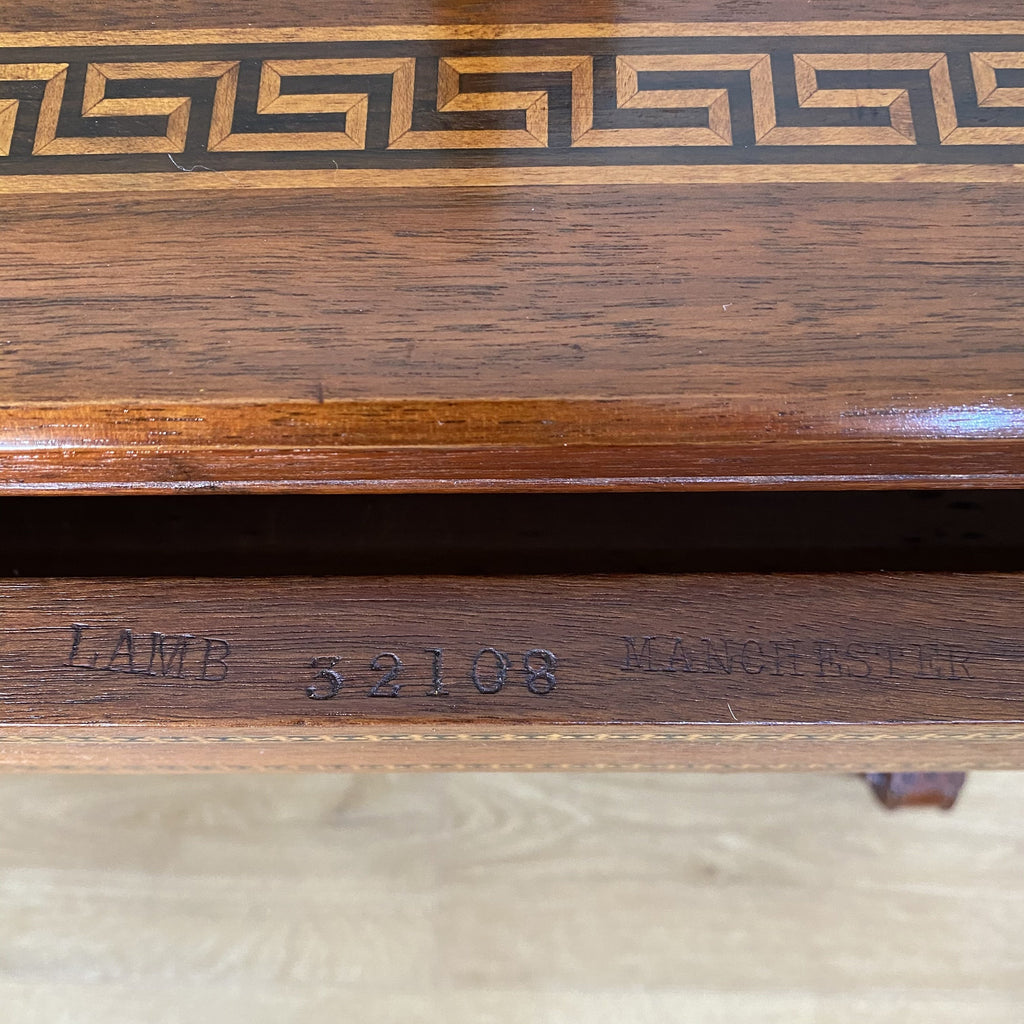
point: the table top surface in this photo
(427, 248)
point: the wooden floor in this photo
(476, 898)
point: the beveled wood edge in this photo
(798, 465)
(435, 445)
(492, 747)
(529, 30)
(552, 420)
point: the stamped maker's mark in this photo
(158, 655)
(815, 658)
(489, 671)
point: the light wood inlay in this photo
(53, 75)
(223, 139)
(497, 30)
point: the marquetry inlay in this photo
(546, 104)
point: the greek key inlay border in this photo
(510, 105)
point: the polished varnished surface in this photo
(680, 246)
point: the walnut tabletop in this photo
(401, 246)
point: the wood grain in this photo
(906, 401)
(866, 672)
(749, 899)
(121, 15)
(642, 328)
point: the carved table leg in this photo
(916, 789)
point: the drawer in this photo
(401, 664)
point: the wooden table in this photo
(426, 249)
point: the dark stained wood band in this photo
(880, 672)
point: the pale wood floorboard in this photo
(544, 898)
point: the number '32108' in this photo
(489, 672)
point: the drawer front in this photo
(862, 671)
